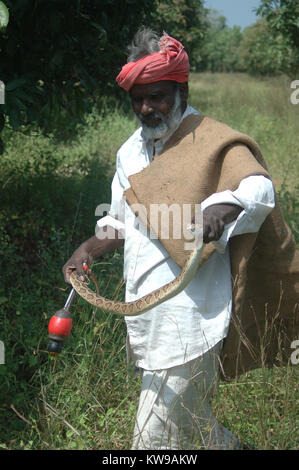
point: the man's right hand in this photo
(75, 263)
(89, 250)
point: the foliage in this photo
(4, 16)
(289, 202)
(259, 53)
(261, 400)
(269, 46)
(59, 55)
(183, 19)
(49, 192)
(219, 51)
(282, 17)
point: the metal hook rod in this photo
(70, 299)
(72, 294)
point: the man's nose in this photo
(146, 107)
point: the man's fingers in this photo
(218, 229)
(79, 267)
(76, 263)
(69, 268)
(213, 229)
(67, 271)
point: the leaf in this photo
(14, 119)
(4, 16)
(17, 102)
(3, 370)
(99, 28)
(18, 82)
(33, 361)
(42, 283)
(24, 96)
(2, 121)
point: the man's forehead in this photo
(161, 86)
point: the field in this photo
(50, 187)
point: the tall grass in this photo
(50, 187)
(258, 107)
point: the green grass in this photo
(258, 107)
(50, 187)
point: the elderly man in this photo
(177, 344)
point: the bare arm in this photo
(91, 249)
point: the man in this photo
(177, 344)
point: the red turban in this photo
(171, 63)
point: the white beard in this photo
(168, 122)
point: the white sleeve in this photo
(255, 195)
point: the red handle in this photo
(59, 328)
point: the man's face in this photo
(157, 107)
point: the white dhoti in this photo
(174, 408)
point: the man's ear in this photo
(184, 91)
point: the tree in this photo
(282, 17)
(57, 55)
(220, 48)
(183, 19)
(260, 53)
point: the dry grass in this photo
(258, 107)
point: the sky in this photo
(237, 12)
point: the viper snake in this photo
(152, 299)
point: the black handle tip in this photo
(54, 347)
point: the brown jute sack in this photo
(203, 157)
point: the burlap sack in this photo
(203, 157)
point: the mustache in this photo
(155, 115)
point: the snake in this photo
(154, 298)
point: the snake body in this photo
(148, 301)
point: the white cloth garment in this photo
(174, 408)
(191, 323)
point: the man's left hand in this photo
(215, 218)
